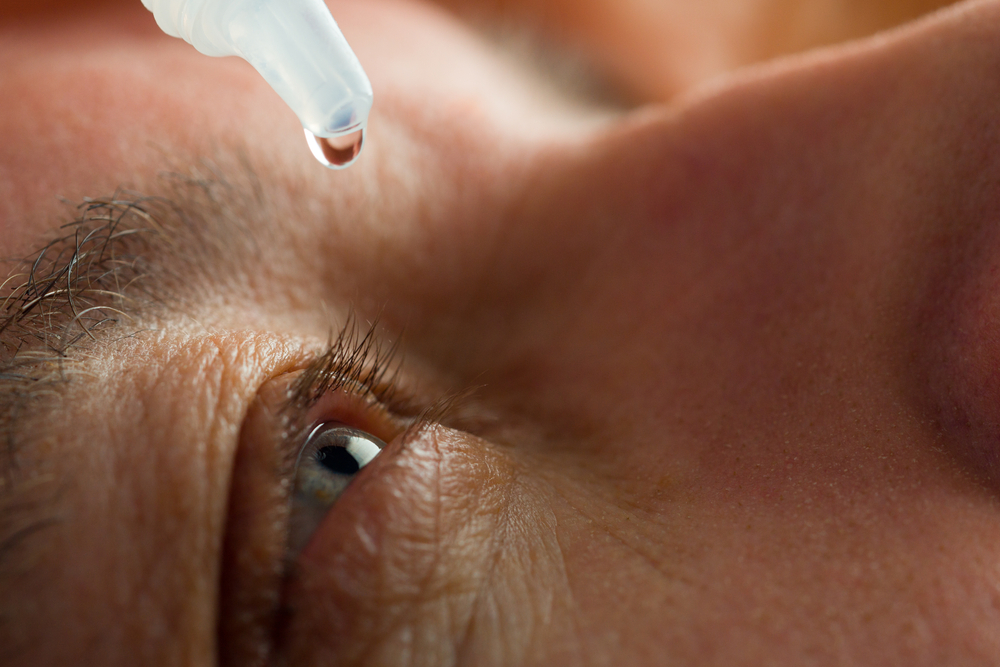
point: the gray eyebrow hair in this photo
(117, 267)
(78, 284)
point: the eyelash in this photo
(356, 362)
(360, 363)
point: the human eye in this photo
(331, 455)
(313, 431)
(352, 482)
(340, 408)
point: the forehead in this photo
(104, 102)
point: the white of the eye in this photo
(362, 449)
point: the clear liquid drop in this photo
(336, 152)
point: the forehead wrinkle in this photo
(121, 265)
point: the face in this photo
(710, 381)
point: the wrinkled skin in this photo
(733, 358)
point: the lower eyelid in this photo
(418, 528)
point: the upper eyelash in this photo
(357, 360)
(363, 363)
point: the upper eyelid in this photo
(362, 363)
(356, 380)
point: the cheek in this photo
(440, 548)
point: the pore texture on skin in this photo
(704, 381)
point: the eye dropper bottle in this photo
(298, 49)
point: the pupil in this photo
(337, 460)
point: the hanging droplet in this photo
(336, 152)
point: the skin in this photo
(734, 359)
(655, 50)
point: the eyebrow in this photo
(117, 267)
